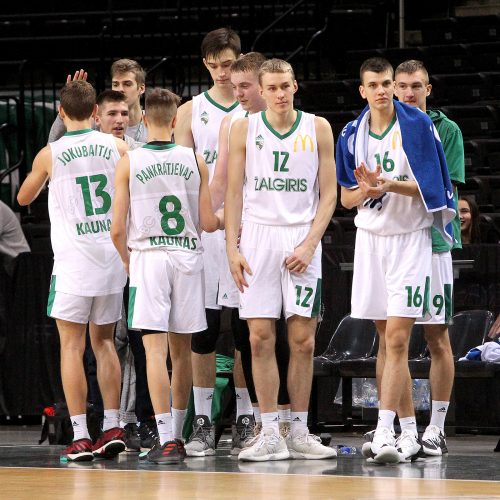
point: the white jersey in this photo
(81, 190)
(206, 118)
(392, 213)
(281, 173)
(164, 198)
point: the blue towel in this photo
(423, 148)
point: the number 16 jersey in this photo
(164, 199)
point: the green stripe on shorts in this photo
(426, 309)
(52, 294)
(448, 302)
(131, 304)
(317, 300)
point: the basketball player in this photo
(245, 81)
(87, 281)
(397, 191)
(280, 160)
(127, 77)
(198, 126)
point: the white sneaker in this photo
(434, 441)
(308, 446)
(383, 447)
(366, 449)
(270, 446)
(408, 446)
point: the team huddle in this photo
(222, 202)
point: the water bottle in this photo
(346, 450)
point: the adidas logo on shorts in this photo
(160, 422)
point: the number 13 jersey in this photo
(281, 172)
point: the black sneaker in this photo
(202, 441)
(148, 434)
(434, 441)
(143, 455)
(182, 450)
(132, 438)
(243, 433)
(166, 454)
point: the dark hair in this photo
(161, 106)
(376, 65)
(217, 41)
(250, 62)
(78, 100)
(129, 65)
(412, 66)
(475, 228)
(109, 96)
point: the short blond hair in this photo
(122, 66)
(275, 66)
(161, 106)
(412, 66)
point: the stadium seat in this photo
(475, 121)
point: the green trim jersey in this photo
(81, 191)
(453, 145)
(164, 199)
(281, 173)
(392, 213)
(206, 119)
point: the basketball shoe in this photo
(308, 446)
(109, 443)
(269, 446)
(78, 451)
(202, 441)
(243, 433)
(434, 441)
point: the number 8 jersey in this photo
(81, 190)
(164, 198)
(281, 172)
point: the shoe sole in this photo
(80, 457)
(387, 455)
(366, 450)
(281, 455)
(204, 453)
(308, 456)
(166, 461)
(110, 450)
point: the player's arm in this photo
(233, 201)
(219, 180)
(209, 222)
(40, 172)
(121, 205)
(121, 145)
(351, 198)
(182, 132)
(327, 180)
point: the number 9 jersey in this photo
(164, 199)
(81, 190)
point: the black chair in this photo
(469, 329)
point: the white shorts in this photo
(391, 275)
(272, 288)
(228, 295)
(101, 310)
(441, 299)
(166, 292)
(214, 245)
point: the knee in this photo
(439, 344)
(204, 342)
(262, 341)
(303, 346)
(396, 345)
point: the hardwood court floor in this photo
(30, 471)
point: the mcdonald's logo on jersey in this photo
(304, 140)
(396, 141)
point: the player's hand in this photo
(79, 75)
(365, 175)
(238, 264)
(382, 187)
(300, 259)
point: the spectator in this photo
(469, 220)
(12, 240)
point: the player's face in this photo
(378, 89)
(246, 91)
(465, 216)
(278, 89)
(127, 85)
(219, 67)
(413, 89)
(112, 118)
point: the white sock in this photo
(203, 397)
(79, 424)
(256, 415)
(409, 423)
(111, 419)
(243, 403)
(270, 421)
(386, 419)
(299, 422)
(164, 424)
(285, 415)
(178, 417)
(439, 411)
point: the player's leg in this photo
(283, 358)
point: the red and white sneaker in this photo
(109, 443)
(78, 451)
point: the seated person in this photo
(469, 220)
